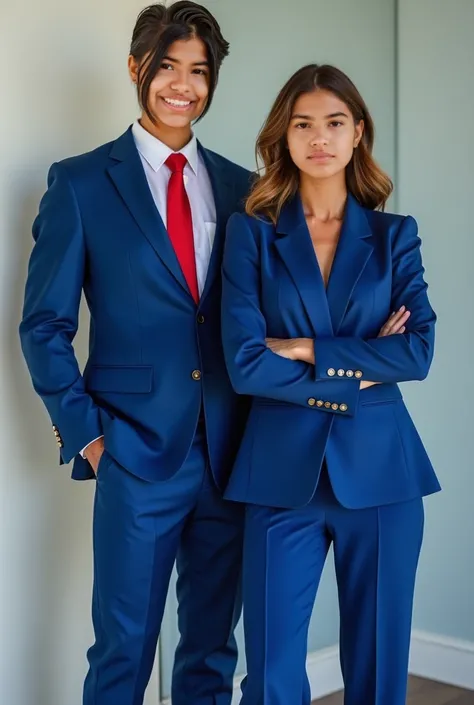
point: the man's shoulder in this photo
(234, 171)
(82, 164)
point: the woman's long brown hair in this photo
(280, 181)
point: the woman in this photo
(312, 272)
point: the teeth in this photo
(178, 103)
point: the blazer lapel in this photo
(130, 181)
(296, 250)
(352, 254)
(224, 197)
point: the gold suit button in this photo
(358, 374)
(327, 404)
(343, 407)
(349, 373)
(320, 403)
(334, 407)
(331, 372)
(311, 401)
(341, 373)
(200, 319)
(196, 375)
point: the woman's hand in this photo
(303, 348)
(394, 326)
(396, 323)
(293, 348)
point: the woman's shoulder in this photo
(255, 223)
(388, 224)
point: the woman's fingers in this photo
(396, 322)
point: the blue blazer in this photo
(98, 230)
(272, 287)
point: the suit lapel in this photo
(352, 254)
(224, 197)
(296, 250)
(130, 181)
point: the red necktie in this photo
(180, 222)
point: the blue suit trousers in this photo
(376, 553)
(140, 528)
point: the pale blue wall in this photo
(423, 104)
(269, 40)
(436, 184)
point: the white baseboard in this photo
(324, 674)
(443, 659)
(237, 692)
(432, 656)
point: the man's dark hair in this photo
(158, 27)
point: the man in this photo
(138, 224)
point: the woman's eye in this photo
(200, 72)
(302, 125)
(166, 67)
(335, 123)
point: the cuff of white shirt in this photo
(87, 446)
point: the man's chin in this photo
(178, 122)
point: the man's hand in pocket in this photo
(93, 453)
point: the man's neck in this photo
(172, 137)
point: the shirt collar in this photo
(156, 152)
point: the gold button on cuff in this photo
(327, 404)
(343, 407)
(341, 373)
(311, 401)
(349, 373)
(320, 403)
(334, 407)
(196, 375)
(331, 372)
(358, 374)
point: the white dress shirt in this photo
(153, 155)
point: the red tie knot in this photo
(176, 162)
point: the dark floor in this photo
(421, 692)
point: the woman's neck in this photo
(323, 199)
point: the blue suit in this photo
(155, 385)
(322, 461)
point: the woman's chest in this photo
(326, 290)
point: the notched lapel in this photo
(224, 197)
(130, 181)
(353, 252)
(296, 250)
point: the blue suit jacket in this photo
(272, 287)
(98, 230)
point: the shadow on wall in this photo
(48, 557)
(50, 561)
